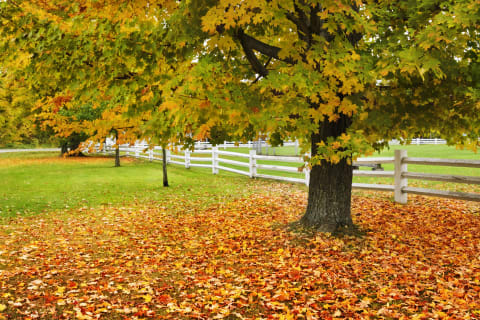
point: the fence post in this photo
(215, 160)
(252, 164)
(150, 155)
(296, 147)
(136, 152)
(307, 175)
(306, 169)
(187, 159)
(168, 153)
(400, 181)
(224, 145)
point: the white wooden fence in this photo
(418, 141)
(217, 160)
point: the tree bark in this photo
(330, 188)
(164, 165)
(64, 148)
(117, 151)
(329, 197)
(72, 143)
(117, 156)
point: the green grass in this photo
(28, 145)
(36, 182)
(430, 151)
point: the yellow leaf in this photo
(336, 145)
(334, 159)
(2, 307)
(60, 290)
(355, 56)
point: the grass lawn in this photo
(224, 246)
(36, 182)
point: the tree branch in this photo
(254, 62)
(126, 76)
(302, 27)
(260, 76)
(253, 44)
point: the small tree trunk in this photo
(164, 165)
(64, 148)
(330, 189)
(117, 151)
(117, 156)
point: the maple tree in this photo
(79, 73)
(342, 76)
(14, 111)
(161, 132)
(86, 127)
(17, 119)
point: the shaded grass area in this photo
(36, 182)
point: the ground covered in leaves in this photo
(239, 259)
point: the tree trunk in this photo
(330, 189)
(329, 197)
(164, 165)
(117, 156)
(117, 151)
(64, 148)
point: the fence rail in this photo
(215, 159)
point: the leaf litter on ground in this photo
(237, 259)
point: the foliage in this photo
(83, 73)
(425, 54)
(388, 70)
(17, 120)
